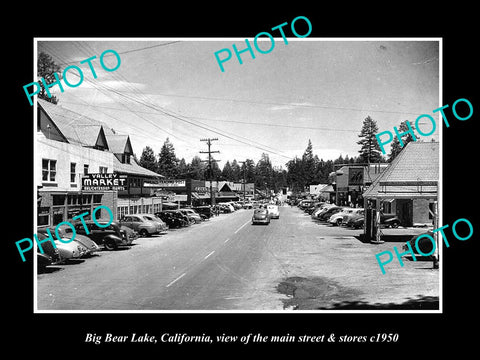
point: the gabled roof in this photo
(119, 144)
(413, 173)
(75, 127)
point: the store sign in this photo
(104, 181)
(164, 183)
(355, 176)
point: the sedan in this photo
(273, 211)
(66, 251)
(260, 216)
(140, 224)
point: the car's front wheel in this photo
(143, 233)
(110, 244)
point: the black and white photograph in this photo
(237, 182)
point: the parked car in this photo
(155, 219)
(173, 220)
(204, 211)
(337, 218)
(260, 216)
(273, 211)
(320, 210)
(50, 255)
(390, 220)
(180, 215)
(65, 232)
(351, 218)
(425, 244)
(66, 251)
(192, 215)
(226, 207)
(141, 224)
(248, 205)
(111, 236)
(324, 216)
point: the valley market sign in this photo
(104, 181)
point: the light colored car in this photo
(320, 210)
(141, 225)
(65, 232)
(154, 218)
(192, 214)
(273, 211)
(260, 216)
(66, 250)
(337, 218)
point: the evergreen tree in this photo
(395, 145)
(183, 169)
(308, 165)
(147, 159)
(227, 172)
(197, 168)
(46, 68)
(370, 150)
(237, 173)
(167, 160)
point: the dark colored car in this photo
(204, 211)
(425, 244)
(50, 255)
(332, 210)
(260, 216)
(171, 219)
(390, 220)
(111, 237)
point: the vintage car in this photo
(204, 211)
(354, 218)
(325, 215)
(155, 219)
(66, 250)
(320, 210)
(50, 255)
(273, 211)
(192, 215)
(141, 224)
(260, 216)
(424, 245)
(111, 236)
(65, 232)
(173, 220)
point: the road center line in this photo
(241, 227)
(178, 278)
(209, 254)
(226, 240)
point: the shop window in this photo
(85, 169)
(43, 216)
(58, 199)
(49, 169)
(57, 215)
(97, 198)
(72, 172)
(102, 169)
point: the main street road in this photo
(228, 264)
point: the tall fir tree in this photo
(369, 150)
(46, 68)
(147, 159)
(167, 160)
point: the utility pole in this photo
(210, 160)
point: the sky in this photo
(309, 89)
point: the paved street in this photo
(228, 264)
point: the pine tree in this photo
(395, 147)
(197, 168)
(227, 172)
(147, 159)
(370, 150)
(167, 161)
(46, 68)
(237, 173)
(308, 165)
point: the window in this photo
(85, 169)
(125, 158)
(72, 172)
(49, 169)
(102, 169)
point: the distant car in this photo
(337, 218)
(191, 214)
(172, 219)
(248, 205)
(226, 207)
(389, 220)
(111, 236)
(354, 214)
(66, 251)
(260, 216)
(155, 219)
(141, 224)
(321, 210)
(204, 211)
(273, 211)
(329, 212)
(187, 221)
